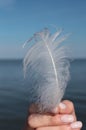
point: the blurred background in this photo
(19, 20)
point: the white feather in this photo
(46, 67)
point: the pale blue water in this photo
(14, 98)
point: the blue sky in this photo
(19, 19)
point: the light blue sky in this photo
(19, 19)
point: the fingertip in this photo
(69, 103)
(76, 125)
(66, 106)
(62, 106)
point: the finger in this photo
(57, 128)
(64, 127)
(66, 107)
(74, 126)
(38, 120)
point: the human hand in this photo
(64, 118)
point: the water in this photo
(14, 98)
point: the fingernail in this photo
(55, 110)
(67, 118)
(62, 106)
(76, 125)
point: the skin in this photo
(51, 121)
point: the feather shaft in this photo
(52, 59)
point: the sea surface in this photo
(14, 98)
